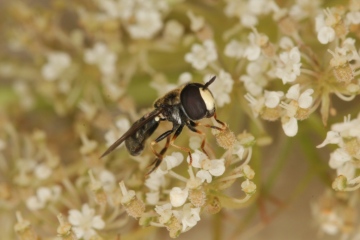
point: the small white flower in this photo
(108, 180)
(221, 88)
(42, 171)
(201, 55)
(304, 9)
(253, 51)
(196, 22)
(173, 30)
(234, 49)
(174, 160)
(254, 80)
(324, 26)
(153, 198)
(178, 196)
(190, 217)
(272, 98)
(326, 34)
(353, 17)
(122, 9)
(165, 212)
(195, 142)
(85, 222)
(342, 162)
(185, 77)
(156, 180)
(247, 11)
(44, 195)
(289, 65)
(286, 43)
(147, 23)
(57, 63)
(111, 136)
(238, 150)
(101, 56)
(348, 128)
(208, 168)
(304, 99)
(338, 158)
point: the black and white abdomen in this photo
(197, 102)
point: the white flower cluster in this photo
(182, 210)
(336, 214)
(57, 63)
(142, 19)
(345, 159)
(44, 196)
(295, 106)
(248, 11)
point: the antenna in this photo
(209, 82)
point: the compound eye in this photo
(193, 102)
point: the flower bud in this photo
(213, 206)
(246, 139)
(248, 172)
(248, 187)
(23, 228)
(340, 183)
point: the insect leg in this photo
(220, 122)
(177, 133)
(192, 126)
(158, 139)
(158, 160)
(212, 126)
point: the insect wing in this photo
(135, 127)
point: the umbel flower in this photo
(74, 77)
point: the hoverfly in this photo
(183, 106)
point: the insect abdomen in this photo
(135, 143)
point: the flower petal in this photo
(178, 196)
(290, 127)
(204, 176)
(217, 167)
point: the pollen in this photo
(64, 231)
(352, 146)
(271, 114)
(302, 113)
(287, 25)
(226, 138)
(344, 73)
(340, 29)
(135, 207)
(340, 183)
(197, 197)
